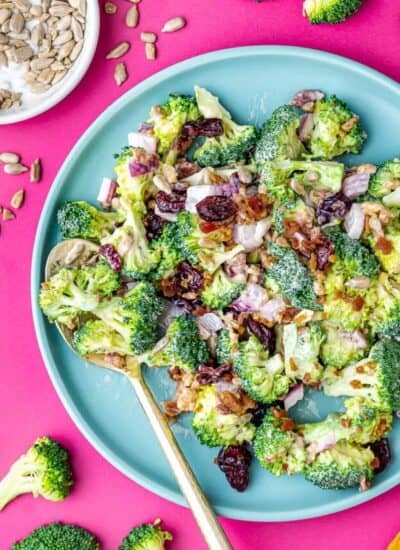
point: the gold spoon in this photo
(75, 252)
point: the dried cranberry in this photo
(210, 127)
(185, 283)
(208, 374)
(258, 413)
(170, 202)
(381, 450)
(184, 168)
(235, 462)
(265, 334)
(154, 225)
(333, 207)
(112, 256)
(216, 208)
(324, 249)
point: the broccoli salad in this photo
(252, 264)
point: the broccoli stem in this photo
(20, 479)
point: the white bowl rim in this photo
(73, 77)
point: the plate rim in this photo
(81, 423)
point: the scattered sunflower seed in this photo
(132, 17)
(9, 158)
(18, 199)
(36, 171)
(174, 24)
(151, 52)
(120, 74)
(149, 37)
(14, 168)
(7, 214)
(118, 51)
(110, 8)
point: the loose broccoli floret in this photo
(57, 536)
(277, 446)
(340, 348)
(356, 258)
(134, 316)
(376, 378)
(131, 243)
(222, 291)
(233, 145)
(342, 466)
(79, 219)
(322, 175)
(225, 347)
(190, 236)
(293, 211)
(330, 11)
(168, 120)
(261, 376)
(95, 336)
(168, 249)
(337, 130)
(385, 314)
(301, 349)
(215, 429)
(145, 537)
(183, 347)
(135, 187)
(386, 179)
(44, 470)
(70, 292)
(387, 249)
(278, 137)
(293, 278)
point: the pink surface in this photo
(104, 500)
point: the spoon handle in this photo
(202, 511)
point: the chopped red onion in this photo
(107, 192)
(306, 96)
(252, 299)
(357, 338)
(354, 221)
(326, 442)
(355, 185)
(295, 395)
(197, 193)
(306, 127)
(144, 141)
(145, 128)
(137, 168)
(251, 236)
(211, 322)
(169, 216)
(271, 309)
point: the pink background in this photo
(103, 499)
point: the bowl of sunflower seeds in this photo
(46, 47)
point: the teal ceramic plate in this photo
(251, 82)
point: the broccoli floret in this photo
(322, 175)
(277, 446)
(340, 348)
(233, 145)
(183, 347)
(95, 336)
(386, 179)
(145, 537)
(168, 120)
(190, 236)
(131, 243)
(135, 188)
(221, 291)
(57, 536)
(278, 137)
(44, 470)
(342, 466)
(262, 377)
(376, 378)
(70, 292)
(356, 258)
(385, 315)
(301, 349)
(225, 347)
(134, 316)
(387, 249)
(216, 429)
(293, 278)
(167, 246)
(330, 11)
(336, 131)
(346, 307)
(293, 211)
(79, 219)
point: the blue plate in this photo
(251, 82)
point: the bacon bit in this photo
(356, 384)
(208, 227)
(384, 245)
(347, 126)
(307, 379)
(375, 463)
(292, 364)
(360, 369)
(313, 262)
(364, 484)
(345, 422)
(287, 424)
(358, 303)
(116, 360)
(237, 404)
(288, 314)
(381, 428)
(171, 409)
(278, 413)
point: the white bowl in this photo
(45, 101)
